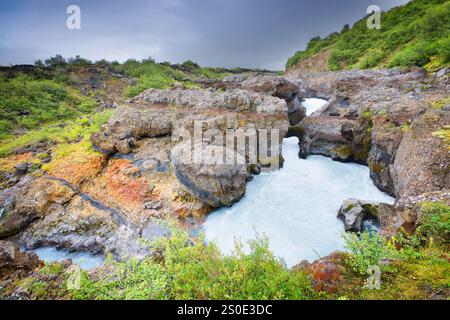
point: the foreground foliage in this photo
(181, 269)
(416, 267)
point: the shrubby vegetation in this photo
(416, 34)
(183, 269)
(367, 249)
(149, 74)
(36, 104)
(28, 103)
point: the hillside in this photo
(54, 99)
(416, 34)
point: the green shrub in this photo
(443, 48)
(435, 222)
(372, 59)
(414, 55)
(366, 249)
(27, 103)
(340, 58)
(130, 280)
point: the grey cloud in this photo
(250, 33)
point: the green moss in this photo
(405, 128)
(443, 134)
(368, 115)
(441, 103)
(376, 167)
(343, 152)
(349, 207)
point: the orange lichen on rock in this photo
(121, 186)
(77, 170)
(124, 187)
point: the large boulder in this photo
(296, 112)
(385, 142)
(210, 179)
(29, 200)
(339, 138)
(130, 124)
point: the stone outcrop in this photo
(269, 84)
(409, 209)
(29, 200)
(211, 179)
(422, 160)
(339, 138)
(50, 212)
(157, 113)
(385, 141)
(266, 83)
(15, 264)
(354, 212)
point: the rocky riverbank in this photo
(394, 121)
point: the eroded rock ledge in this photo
(386, 119)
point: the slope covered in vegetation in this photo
(48, 101)
(416, 34)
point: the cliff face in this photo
(387, 119)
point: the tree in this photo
(56, 61)
(39, 63)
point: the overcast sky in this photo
(229, 33)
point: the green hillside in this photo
(416, 34)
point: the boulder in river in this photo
(354, 212)
(211, 179)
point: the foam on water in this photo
(85, 260)
(295, 207)
(313, 104)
